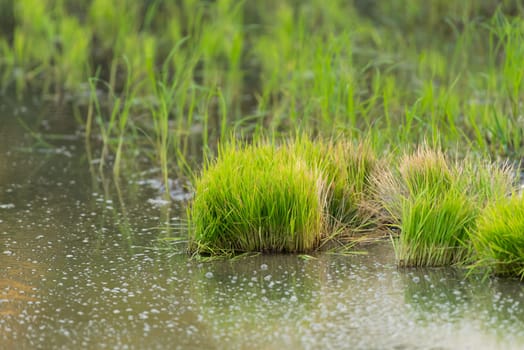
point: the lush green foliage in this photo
(499, 237)
(348, 168)
(258, 198)
(435, 202)
(186, 73)
(168, 79)
(261, 197)
(433, 211)
(434, 227)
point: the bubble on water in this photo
(209, 274)
(416, 279)
(158, 202)
(263, 267)
(341, 307)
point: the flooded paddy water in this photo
(81, 266)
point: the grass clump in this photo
(435, 211)
(257, 198)
(499, 237)
(435, 202)
(434, 228)
(351, 168)
(290, 198)
(348, 168)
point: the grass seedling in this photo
(499, 237)
(433, 228)
(123, 117)
(257, 198)
(325, 186)
(434, 202)
(285, 66)
(348, 168)
(433, 211)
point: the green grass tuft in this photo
(499, 237)
(348, 168)
(257, 198)
(435, 202)
(434, 228)
(292, 198)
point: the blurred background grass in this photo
(171, 78)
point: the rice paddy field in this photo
(261, 174)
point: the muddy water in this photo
(81, 266)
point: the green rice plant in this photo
(33, 44)
(173, 104)
(433, 228)
(500, 88)
(498, 238)
(257, 198)
(113, 130)
(486, 181)
(114, 24)
(139, 55)
(160, 116)
(325, 68)
(343, 187)
(309, 80)
(71, 62)
(123, 118)
(425, 169)
(228, 24)
(348, 168)
(510, 34)
(7, 65)
(431, 211)
(434, 202)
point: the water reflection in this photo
(440, 292)
(452, 295)
(81, 267)
(13, 293)
(256, 299)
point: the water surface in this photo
(81, 266)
